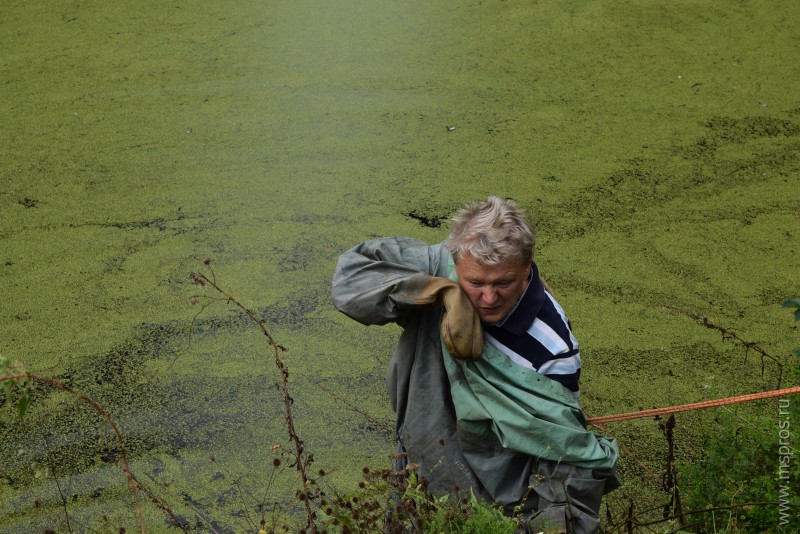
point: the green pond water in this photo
(654, 143)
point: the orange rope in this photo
(693, 406)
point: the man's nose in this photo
(489, 296)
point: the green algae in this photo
(654, 144)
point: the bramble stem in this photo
(132, 481)
(287, 399)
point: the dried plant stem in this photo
(730, 334)
(132, 481)
(58, 487)
(300, 463)
(716, 509)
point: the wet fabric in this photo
(457, 447)
(496, 399)
(567, 498)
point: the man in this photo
(484, 379)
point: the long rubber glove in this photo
(461, 325)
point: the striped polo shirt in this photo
(537, 335)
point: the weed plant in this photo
(398, 502)
(734, 483)
(746, 472)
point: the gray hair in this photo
(492, 232)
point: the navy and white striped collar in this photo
(520, 318)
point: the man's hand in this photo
(461, 326)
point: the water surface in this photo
(655, 145)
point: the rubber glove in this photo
(461, 325)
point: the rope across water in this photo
(693, 406)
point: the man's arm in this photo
(379, 281)
(375, 282)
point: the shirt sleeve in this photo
(374, 282)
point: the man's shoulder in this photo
(399, 241)
(409, 248)
(399, 250)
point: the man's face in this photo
(494, 290)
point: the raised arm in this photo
(375, 282)
(380, 281)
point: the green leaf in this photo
(8, 387)
(22, 405)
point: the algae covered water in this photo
(655, 145)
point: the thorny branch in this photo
(201, 280)
(133, 482)
(728, 334)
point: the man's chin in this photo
(492, 317)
